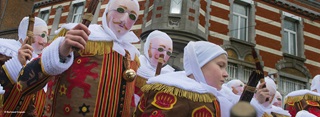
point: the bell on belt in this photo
(129, 75)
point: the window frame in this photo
(239, 16)
(75, 13)
(47, 11)
(298, 21)
(171, 5)
(235, 70)
(295, 53)
(73, 4)
(283, 80)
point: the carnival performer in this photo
(269, 109)
(191, 92)
(233, 90)
(97, 80)
(307, 100)
(277, 99)
(156, 43)
(236, 85)
(315, 85)
(20, 54)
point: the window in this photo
(77, 12)
(247, 73)
(290, 37)
(287, 85)
(240, 21)
(56, 21)
(175, 6)
(232, 71)
(44, 15)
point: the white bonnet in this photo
(234, 82)
(154, 34)
(197, 54)
(316, 83)
(23, 26)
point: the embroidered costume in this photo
(30, 104)
(159, 41)
(176, 95)
(302, 100)
(308, 100)
(89, 82)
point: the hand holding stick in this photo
(254, 78)
(88, 16)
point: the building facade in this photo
(11, 15)
(285, 33)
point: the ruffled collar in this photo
(180, 80)
(105, 34)
(9, 47)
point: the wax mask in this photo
(159, 46)
(121, 16)
(40, 38)
(272, 92)
(238, 88)
(278, 99)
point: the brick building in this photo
(11, 13)
(285, 32)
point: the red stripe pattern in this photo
(108, 89)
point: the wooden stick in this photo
(159, 65)
(30, 29)
(88, 16)
(254, 78)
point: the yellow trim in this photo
(312, 103)
(7, 73)
(62, 33)
(278, 115)
(96, 48)
(140, 81)
(201, 107)
(166, 98)
(136, 59)
(64, 91)
(194, 96)
(266, 115)
(19, 86)
(294, 99)
(139, 104)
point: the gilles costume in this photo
(305, 100)
(175, 94)
(89, 82)
(146, 70)
(267, 109)
(14, 101)
(302, 100)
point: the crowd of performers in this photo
(96, 71)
